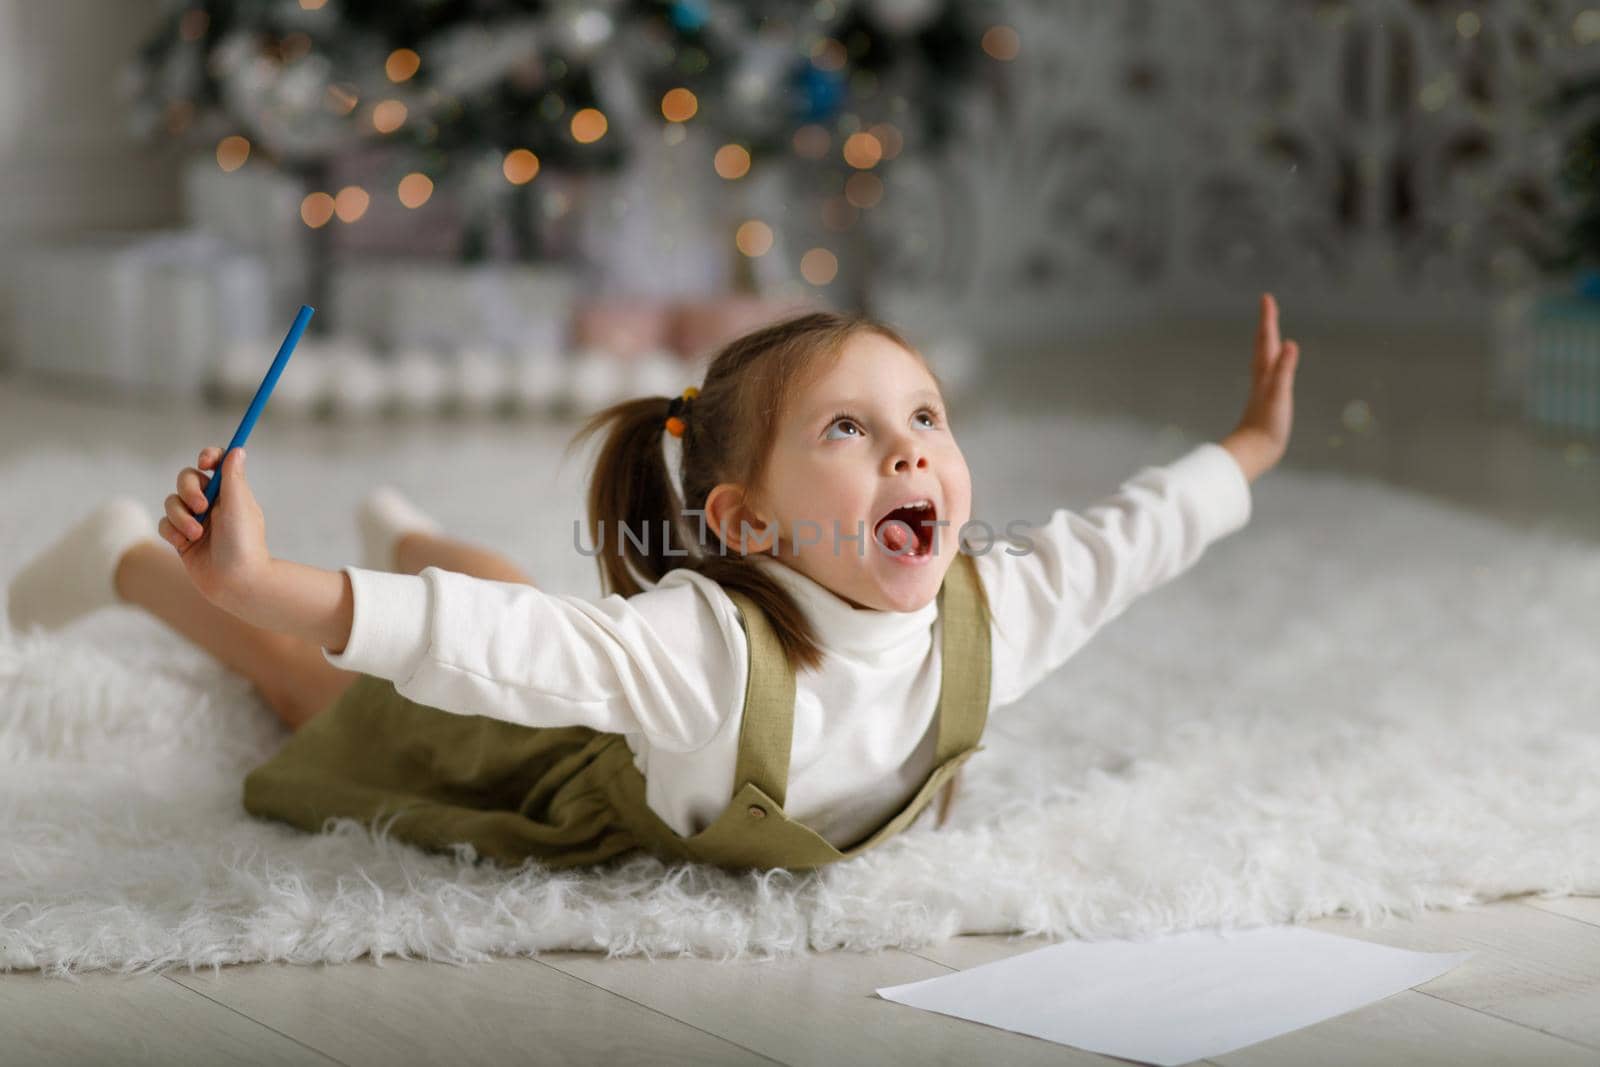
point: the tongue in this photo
(895, 536)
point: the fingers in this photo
(172, 536)
(1267, 334)
(192, 488)
(181, 519)
(209, 456)
(1284, 372)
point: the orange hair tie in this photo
(676, 423)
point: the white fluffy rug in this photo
(1364, 702)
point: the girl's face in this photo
(857, 443)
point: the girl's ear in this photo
(740, 526)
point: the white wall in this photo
(67, 160)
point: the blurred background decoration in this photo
(504, 204)
(488, 199)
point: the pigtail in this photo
(632, 491)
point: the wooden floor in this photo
(1531, 995)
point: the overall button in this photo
(757, 811)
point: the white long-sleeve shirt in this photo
(667, 667)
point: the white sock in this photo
(384, 517)
(76, 574)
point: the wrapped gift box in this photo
(139, 313)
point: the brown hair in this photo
(727, 438)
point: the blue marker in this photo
(263, 391)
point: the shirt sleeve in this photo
(654, 664)
(1066, 578)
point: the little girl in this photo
(794, 653)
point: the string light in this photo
(862, 151)
(351, 203)
(588, 125)
(732, 162)
(415, 189)
(819, 266)
(316, 210)
(232, 152)
(1002, 43)
(520, 166)
(828, 54)
(812, 141)
(889, 138)
(388, 116)
(341, 99)
(863, 190)
(753, 238)
(401, 65)
(679, 105)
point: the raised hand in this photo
(227, 557)
(1261, 437)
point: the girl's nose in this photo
(912, 458)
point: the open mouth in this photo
(911, 531)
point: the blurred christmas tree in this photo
(473, 98)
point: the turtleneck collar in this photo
(840, 626)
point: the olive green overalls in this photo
(569, 795)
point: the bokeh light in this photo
(862, 150)
(819, 266)
(1001, 42)
(732, 162)
(812, 141)
(753, 238)
(863, 190)
(316, 210)
(679, 105)
(828, 54)
(520, 166)
(232, 152)
(388, 116)
(341, 99)
(415, 189)
(401, 64)
(889, 139)
(588, 125)
(351, 203)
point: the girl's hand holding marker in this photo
(233, 560)
(228, 556)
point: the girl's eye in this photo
(841, 421)
(933, 420)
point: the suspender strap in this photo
(964, 660)
(766, 732)
(767, 729)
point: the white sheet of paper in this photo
(1178, 998)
